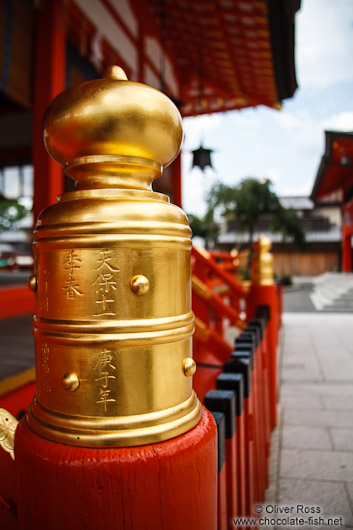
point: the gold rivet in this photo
(32, 283)
(189, 366)
(139, 284)
(71, 382)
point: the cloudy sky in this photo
(284, 146)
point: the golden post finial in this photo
(112, 132)
(262, 262)
(113, 320)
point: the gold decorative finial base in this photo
(113, 323)
(120, 431)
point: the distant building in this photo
(322, 225)
(334, 180)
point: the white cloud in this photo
(339, 122)
(324, 42)
(195, 185)
(196, 127)
(288, 120)
(272, 174)
(303, 189)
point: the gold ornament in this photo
(113, 320)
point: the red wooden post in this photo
(49, 80)
(243, 367)
(172, 484)
(249, 355)
(224, 401)
(222, 521)
(260, 324)
(235, 382)
(263, 293)
(176, 168)
(8, 492)
(251, 351)
(266, 295)
(206, 374)
(346, 250)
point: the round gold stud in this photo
(71, 382)
(139, 284)
(32, 283)
(189, 366)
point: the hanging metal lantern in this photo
(202, 158)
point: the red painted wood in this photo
(253, 430)
(257, 430)
(347, 235)
(205, 380)
(177, 181)
(279, 305)
(265, 407)
(49, 80)
(222, 498)
(219, 273)
(258, 372)
(232, 493)
(249, 455)
(266, 295)
(19, 399)
(169, 485)
(241, 467)
(8, 492)
(16, 300)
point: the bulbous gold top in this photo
(125, 127)
(264, 244)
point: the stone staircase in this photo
(333, 292)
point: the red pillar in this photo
(346, 251)
(171, 484)
(49, 80)
(177, 180)
(266, 295)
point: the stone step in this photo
(333, 292)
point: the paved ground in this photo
(313, 464)
(329, 292)
(297, 298)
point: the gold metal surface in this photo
(262, 262)
(71, 382)
(32, 283)
(189, 366)
(113, 320)
(8, 426)
(139, 285)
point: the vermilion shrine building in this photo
(334, 181)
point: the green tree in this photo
(11, 211)
(205, 227)
(287, 223)
(248, 201)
